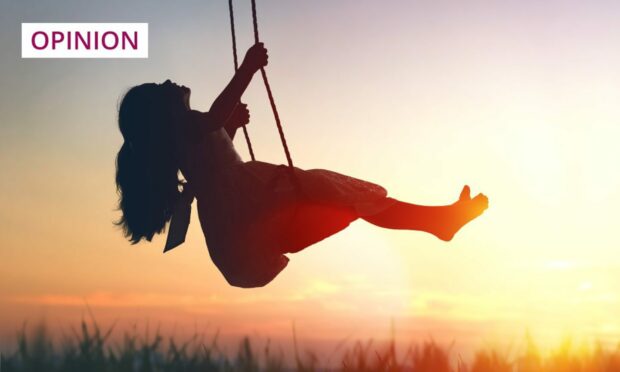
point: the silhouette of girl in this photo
(251, 213)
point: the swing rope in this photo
(272, 102)
(236, 61)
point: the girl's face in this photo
(180, 92)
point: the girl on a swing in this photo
(252, 213)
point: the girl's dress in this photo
(252, 213)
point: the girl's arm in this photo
(223, 106)
(201, 123)
(225, 103)
(239, 117)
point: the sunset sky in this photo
(518, 99)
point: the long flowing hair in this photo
(147, 170)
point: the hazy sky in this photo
(519, 99)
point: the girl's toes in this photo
(482, 200)
(465, 193)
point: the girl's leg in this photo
(293, 226)
(441, 221)
(310, 223)
(299, 225)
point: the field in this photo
(88, 349)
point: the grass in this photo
(88, 348)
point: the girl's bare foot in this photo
(460, 213)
